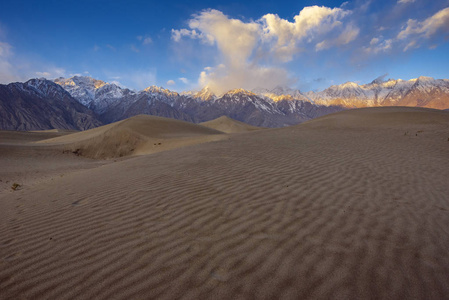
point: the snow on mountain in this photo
(206, 94)
(281, 93)
(161, 94)
(92, 93)
(41, 104)
(81, 88)
(43, 87)
(261, 107)
(415, 92)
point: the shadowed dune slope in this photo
(321, 210)
(228, 125)
(141, 134)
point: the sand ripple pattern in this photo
(276, 214)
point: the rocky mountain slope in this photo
(419, 92)
(269, 108)
(83, 102)
(41, 104)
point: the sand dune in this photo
(21, 137)
(399, 117)
(228, 125)
(141, 134)
(24, 161)
(337, 208)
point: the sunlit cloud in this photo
(193, 34)
(43, 74)
(184, 80)
(311, 23)
(252, 52)
(222, 78)
(52, 73)
(415, 31)
(379, 45)
(348, 35)
(171, 82)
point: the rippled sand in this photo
(353, 205)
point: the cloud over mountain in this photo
(417, 31)
(252, 52)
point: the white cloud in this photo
(171, 82)
(244, 45)
(429, 28)
(176, 35)
(184, 80)
(311, 23)
(222, 78)
(43, 74)
(145, 39)
(378, 45)
(52, 72)
(374, 41)
(405, 1)
(349, 34)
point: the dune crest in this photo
(142, 134)
(228, 125)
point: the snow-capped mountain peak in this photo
(280, 93)
(239, 91)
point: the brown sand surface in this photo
(138, 135)
(228, 125)
(24, 162)
(349, 206)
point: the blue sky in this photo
(181, 46)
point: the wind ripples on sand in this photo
(293, 213)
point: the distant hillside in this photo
(84, 102)
(41, 104)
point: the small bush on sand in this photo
(15, 186)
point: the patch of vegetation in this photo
(15, 186)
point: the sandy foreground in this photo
(353, 205)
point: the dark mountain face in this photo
(267, 108)
(142, 103)
(84, 102)
(41, 104)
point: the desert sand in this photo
(228, 125)
(352, 205)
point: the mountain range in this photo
(83, 102)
